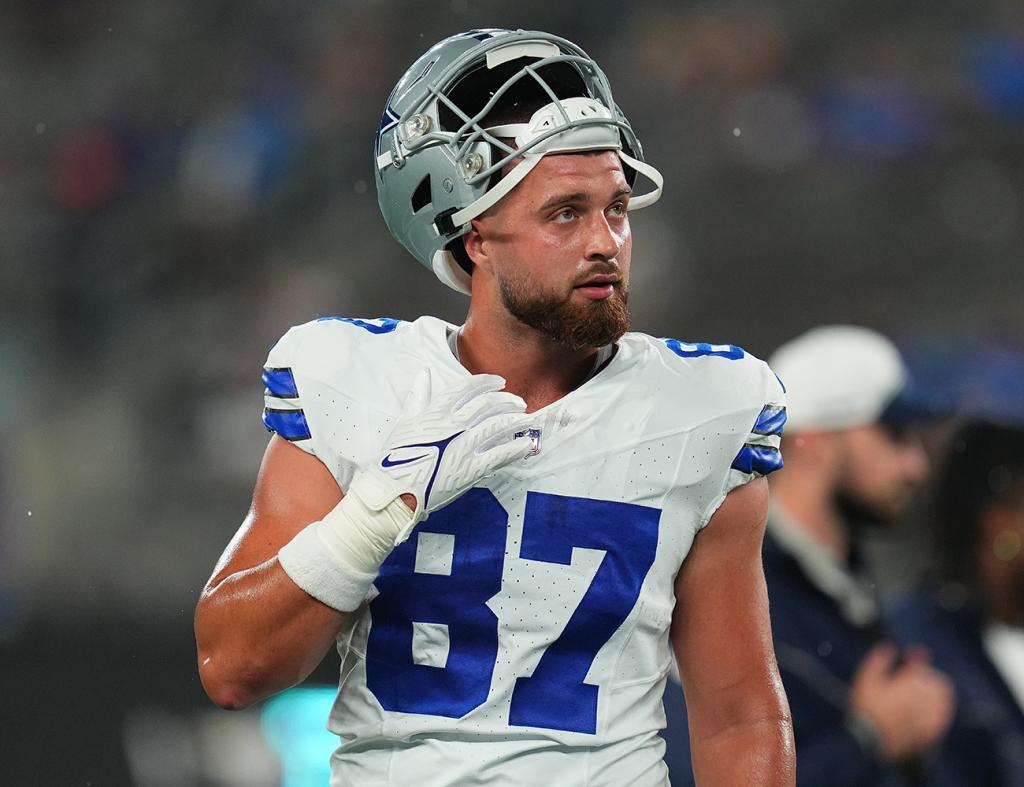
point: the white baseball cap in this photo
(841, 376)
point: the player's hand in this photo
(442, 443)
(446, 441)
(910, 705)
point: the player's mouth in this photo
(598, 287)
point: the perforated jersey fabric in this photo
(520, 635)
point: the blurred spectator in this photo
(971, 613)
(862, 714)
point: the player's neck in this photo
(535, 368)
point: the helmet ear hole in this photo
(421, 197)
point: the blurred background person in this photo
(970, 613)
(863, 712)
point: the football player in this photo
(509, 528)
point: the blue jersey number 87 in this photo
(555, 695)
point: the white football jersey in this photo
(520, 635)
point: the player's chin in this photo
(595, 323)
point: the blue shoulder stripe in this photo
(702, 349)
(771, 420)
(289, 424)
(377, 325)
(280, 383)
(757, 459)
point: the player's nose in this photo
(603, 242)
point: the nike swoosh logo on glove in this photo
(387, 461)
(440, 445)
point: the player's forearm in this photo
(758, 752)
(257, 633)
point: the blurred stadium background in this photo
(180, 182)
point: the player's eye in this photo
(617, 209)
(564, 215)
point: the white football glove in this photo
(441, 445)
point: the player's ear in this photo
(475, 245)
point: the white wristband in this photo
(310, 565)
(336, 559)
(366, 525)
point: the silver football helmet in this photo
(438, 166)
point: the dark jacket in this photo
(985, 744)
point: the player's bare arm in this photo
(257, 632)
(740, 729)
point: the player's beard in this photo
(574, 325)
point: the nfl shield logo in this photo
(534, 435)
